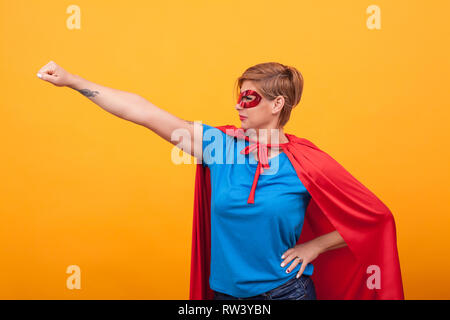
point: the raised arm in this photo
(128, 106)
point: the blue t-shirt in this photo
(247, 240)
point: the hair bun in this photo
(288, 72)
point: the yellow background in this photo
(80, 186)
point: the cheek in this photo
(253, 114)
(259, 112)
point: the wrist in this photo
(74, 81)
(317, 245)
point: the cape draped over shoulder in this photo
(338, 202)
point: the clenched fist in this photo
(56, 75)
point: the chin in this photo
(244, 125)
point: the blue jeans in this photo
(294, 289)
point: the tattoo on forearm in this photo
(88, 93)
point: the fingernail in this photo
(287, 271)
(39, 75)
(297, 276)
(282, 264)
(282, 257)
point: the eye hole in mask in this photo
(249, 99)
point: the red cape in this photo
(338, 202)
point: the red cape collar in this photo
(262, 150)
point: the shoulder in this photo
(293, 139)
(209, 131)
(226, 130)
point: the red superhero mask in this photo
(249, 99)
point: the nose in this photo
(238, 107)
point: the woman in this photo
(257, 210)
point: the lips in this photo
(242, 117)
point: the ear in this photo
(278, 104)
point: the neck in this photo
(268, 135)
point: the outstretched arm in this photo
(128, 106)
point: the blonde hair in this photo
(275, 79)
